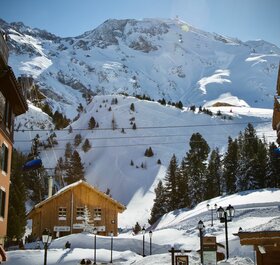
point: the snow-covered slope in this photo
(160, 58)
(254, 211)
(165, 129)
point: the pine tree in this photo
(159, 206)
(132, 107)
(77, 139)
(195, 162)
(171, 184)
(17, 199)
(230, 165)
(91, 123)
(75, 169)
(183, 186)
(273, 176)
(149, 152)
(248, 146)
(214, 175)
(261, 165)
(137, 228)
(86, 145)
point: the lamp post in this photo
(210, 208)
(111, 234)
(46, 239)
(150, 235)
(200, 227)
(95, 233)
(226, 216)
(143, 232)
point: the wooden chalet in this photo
(12, 103)
(63, 213)
(265, 243)
(276, 109)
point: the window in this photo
(8, 119)
(97, 214)
(80, 213)
(2, 203)
(4, 158)
(62, 213)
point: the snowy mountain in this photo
(159, 58)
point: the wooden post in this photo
(172, 256)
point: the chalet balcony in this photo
(4, 52)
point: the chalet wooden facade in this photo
(276, 109)
(12, 103)
(63, 213)
(265, 243)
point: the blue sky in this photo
(244, 19)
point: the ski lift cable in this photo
(152, 127)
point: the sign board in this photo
(209, 243)
(78, 226)
(182, 260)
(61, 228)
(209, 257)
(209, 250)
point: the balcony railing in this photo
(4, 52)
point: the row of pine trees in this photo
(249, 163)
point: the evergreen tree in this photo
(149, 152)
(273, 176)
(248, 146)
(261, 165)
(214, 175)
(183, 186)
(114, 124)
(137, 228)
(171, 184)
(17, 199)
(77, 139)
(132, 107)
(75, 169)
(230, 165)
(195, 162)
(91, 123)
(159, 206)
(68, 151)
(86, 146)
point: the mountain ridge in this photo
(159, 58)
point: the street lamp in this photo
(95, 233)
(143, 232)
(111, 234)
(210, 208)
(226, 216)
(46, 239)
(150, 235)
(200, 227)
